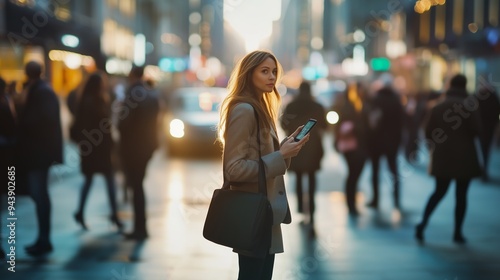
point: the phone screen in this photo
(307, 127)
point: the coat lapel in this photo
(275, 140)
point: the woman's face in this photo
(264, 76)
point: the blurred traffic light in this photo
(380, 64)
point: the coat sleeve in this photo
(240, 145)
(288, 161)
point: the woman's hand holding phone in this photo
(290, 147)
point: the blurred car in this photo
(191, 119)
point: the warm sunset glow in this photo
(253, 29)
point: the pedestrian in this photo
(489, 112)
(18, 98)
(350, 139)
(385, 127)
(39, 147)
(414, 113)
(93, 122)
(252, 89)
(72, 101)
(308, 161)
(452, 131)
(8, 125)
(138, 127)
(7, 143)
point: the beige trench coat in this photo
(242, 165)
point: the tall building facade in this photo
(456, 36)
(51, 33)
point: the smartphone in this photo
(305, 130)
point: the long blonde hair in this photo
(242, 90)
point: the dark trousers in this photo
(355, 162)
(486, 139)
(135, 174)
(110, 186)
(255, 268)
(311, 175)
(393, 168)
(38, 190)
(442, 185)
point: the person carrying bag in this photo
(239, 219)
(253, 159)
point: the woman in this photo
(453, 153)
(94, 115)
(301, 109)
(252, 88)
(350, 135)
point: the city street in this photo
(133, 71)
(377, 245)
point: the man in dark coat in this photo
(297, 113)
(40, 146)
(451, 129)
(489, 111)
(138, 139)
(385, 128)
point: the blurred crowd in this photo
(374, 122)
(31, 141)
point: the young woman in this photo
(93, 114)
(350, 139)
(252, 88)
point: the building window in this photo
(493, 12)
(117, 40)
(479, 13)
(424, 28)
(458, 17)
(440, 28)
(127, 7)
(28, 3)
(112, 3)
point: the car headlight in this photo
(332, 117)
(177, 128)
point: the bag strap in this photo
(262, 170)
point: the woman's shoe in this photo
(353, 212)
(373, 204)
(114, 220)
(39, 249)
(419, 233)
(79, 219)
(459, 238)
(139, 236)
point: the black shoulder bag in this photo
(238, 219)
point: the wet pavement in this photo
(376, 245)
